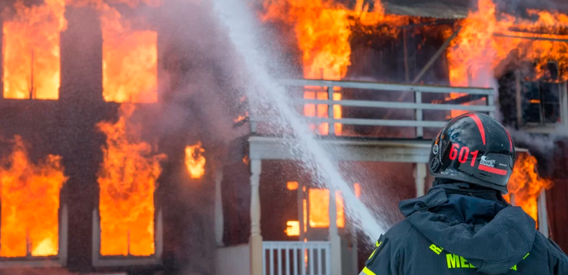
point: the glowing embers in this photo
(130, 72)
(30, 203)
(195, 161)
(525, 184)
(31, 50)
(127, 181)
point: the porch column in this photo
(334, 238)
(218, 207)
(542, 214)
(419, 178)
(255, 236)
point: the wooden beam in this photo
(530, 38)
(436, 56)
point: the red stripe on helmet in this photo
(479, 125)
(493, 170)
(510, 140)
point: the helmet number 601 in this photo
(463, 154)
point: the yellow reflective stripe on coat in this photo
(368, 271)
(377, 244)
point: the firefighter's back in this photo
(444, 234)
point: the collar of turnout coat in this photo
(490, 234)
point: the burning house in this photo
(128, 148)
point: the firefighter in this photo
(463, 225)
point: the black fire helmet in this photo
(476, 149)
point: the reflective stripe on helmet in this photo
(510, 140)
(479, 125)
(492, 170)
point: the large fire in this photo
(129, 61)
(30, 203)
(323, 31)
(32, 54)
(489, 38)
(31, 50)
(195, 161)
(130, 56)
(127, 181)
(525, 184)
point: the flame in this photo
(31, 50)
(127, 181)
(480, 47)
(292, 185)
(241, 118)
(323, 30)
(130, 72)
(305, 211)
(30, 203)
(319, 208)
(195, 161)
(357, 190)
(526, 185)
(293, 228)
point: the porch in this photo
(324, 252)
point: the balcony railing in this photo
(418, 106)
(296, 258)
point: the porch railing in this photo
(467, 94)
(296, 258)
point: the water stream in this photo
(244, 32)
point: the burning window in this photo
(30, 204)
(127, 181)
(318, 215)
(319, 208)
(130, 58)
(542, 102)
(31, 51)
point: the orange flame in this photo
(357, 190)
(323, 31)
(526, 185)
(127, 181)
(31, 50)
(319, 208)
(293, 228)
(292, 185)
(480, 47)
(130, 72)
(30, 203)
(241, 118)
(195, 161)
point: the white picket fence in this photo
(296, 258)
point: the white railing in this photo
(296, 258)
(467, 95)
